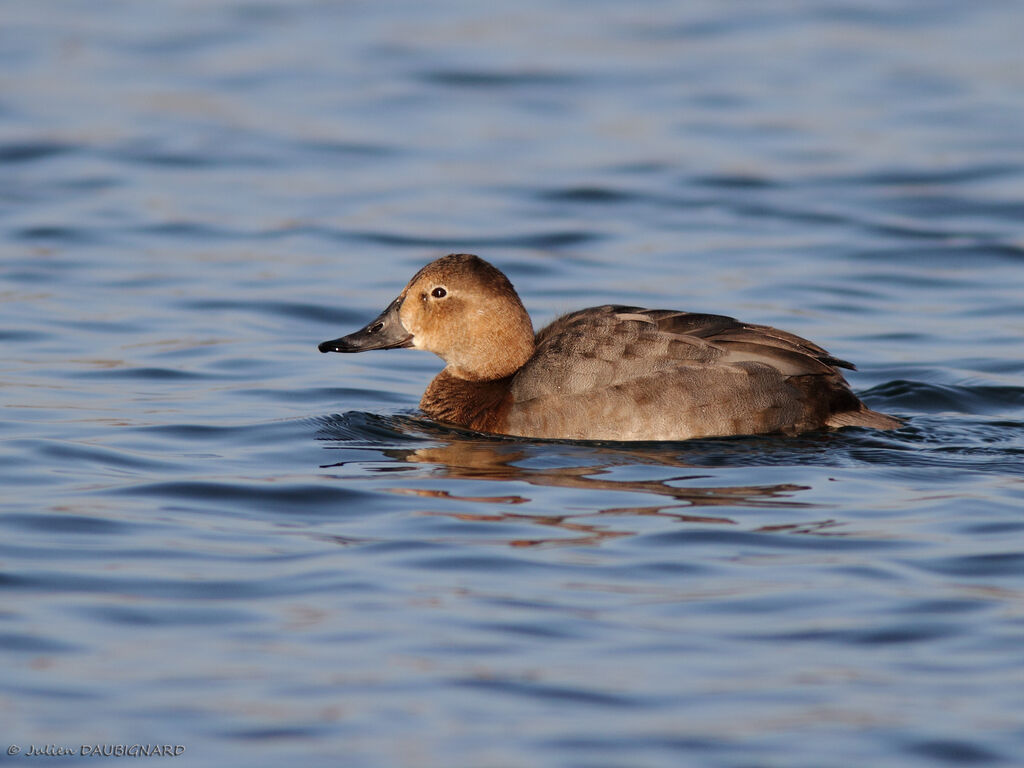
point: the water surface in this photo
(213, 536)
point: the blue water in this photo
(213, 536)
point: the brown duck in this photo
(605, 373)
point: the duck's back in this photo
(626, 373)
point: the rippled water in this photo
(213, 536)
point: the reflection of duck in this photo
(476, 460)
(469, 460)
(605, 373)
(592, 474)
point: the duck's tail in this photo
(863, 417)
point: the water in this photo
(213, 536)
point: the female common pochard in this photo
(605, 373)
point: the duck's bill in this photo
(384, 332)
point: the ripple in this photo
(591, 194)
(267, 497)
(190, 160)
(547, 692)
(66, 523)
(356, 427)
(34, 150)
(900, 634)
(929, 206)
(326, 395)
(489, 563)
(983, 566)
(915, 177)
(950, 253)
(632, 745)
(826, 542)
(472, 78)
(954, 751)
(272, 735)
(191, 230)
(316, 313)
(348, 148)
(735, 181)
(146, 373)
(168, 616)
(34, 643)
(926, 397)
(72, 452)
(189, 433)
(24, 335)
(185, 588)
(59, 234)
(948, 606)
(543, 240)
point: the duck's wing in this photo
(617, 372)
(610, 345)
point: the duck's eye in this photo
(439, 293)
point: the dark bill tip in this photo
(335, 345)
(384, 332)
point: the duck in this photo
(607, 373)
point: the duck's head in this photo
(460, 308)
